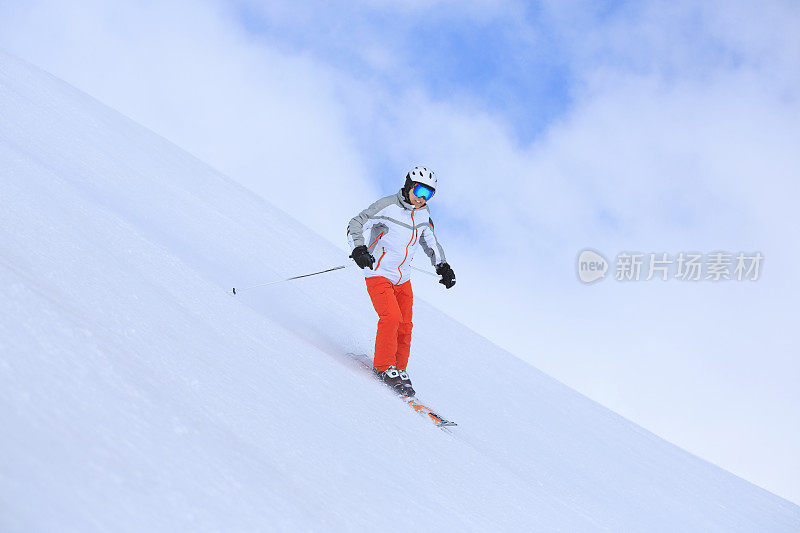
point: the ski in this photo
(436, 418)
(440, 421)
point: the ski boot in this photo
(408, 390)
(391, 377)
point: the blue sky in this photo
(553, 126)
(524, 77)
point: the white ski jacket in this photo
(392, 229)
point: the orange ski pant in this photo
(393, 304)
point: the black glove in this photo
(448, 276)
(362, 257)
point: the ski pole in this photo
(424, 271)
(236, 291)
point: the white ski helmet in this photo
(422, 175)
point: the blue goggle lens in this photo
(422, 191)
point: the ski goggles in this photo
(423, 191)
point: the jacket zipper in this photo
(413, 236)
(380, 259)
(376, 240)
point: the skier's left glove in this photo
(448, 276)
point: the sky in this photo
(652, 127)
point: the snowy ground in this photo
(136, 394)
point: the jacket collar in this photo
(404, 203)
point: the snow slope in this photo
(137, 395)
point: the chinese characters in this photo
(688, 266)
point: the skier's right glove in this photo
(362, 257)
(448, 276)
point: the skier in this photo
(397, 225)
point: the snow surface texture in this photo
(136, 394)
